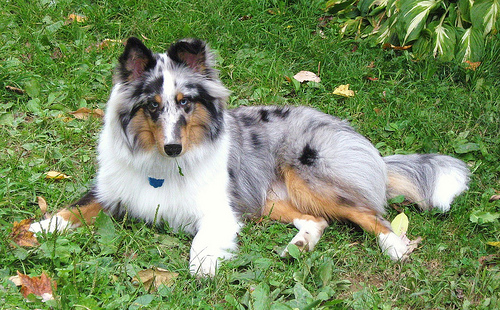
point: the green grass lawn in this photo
(406, 107)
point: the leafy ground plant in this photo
(57, 58)
(441, 28)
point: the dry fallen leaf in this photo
(343, 90)
(40, 286)
(153, 277)
(472, 65)
(412, 245)
(494, 198)
(394, 47)
(42, 204)
(21, 235)
(16, 280)
(14, 89)
(85, 113)
(55, 175)
(306, 76)
(75, 18)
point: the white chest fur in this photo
(184, 201)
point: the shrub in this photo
(442, 28)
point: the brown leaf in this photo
(21, 235)
(394, 47)
(472, 65)
(371, 78)
(40, 286)
(42, 204)
(306, 76)
(85, 113)
(55, 175)
(153, 277)
(14, 89)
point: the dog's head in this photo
(169, 102)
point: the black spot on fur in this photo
(155, 86)
(231, 174)
(264, 115)
(257, 144)
(248, 121)
(309, 156)
(282, 112)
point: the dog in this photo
(170, 151)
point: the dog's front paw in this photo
(394, 246)
(204, 266)
(55, 223)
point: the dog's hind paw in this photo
(392, 245)
(55, 223)
(308, 236)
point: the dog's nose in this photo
(173, 149)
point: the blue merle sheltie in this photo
(170, 151)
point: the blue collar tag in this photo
(156, 182)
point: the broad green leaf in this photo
(423, 46)
(385, 31)
(335, 6)
(443, 41)
(414, 17)
(463, 7)
(260, 296)
(485, 14)
(294, 251)
(326, 271)
(400, 224)
(482, 217)
(470, 45)
(366, 5)
(302, 296)
(467, 147)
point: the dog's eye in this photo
(153, 105)
(183, 101)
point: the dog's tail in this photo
(429, 180)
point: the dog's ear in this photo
(195, 54)
(135, 60)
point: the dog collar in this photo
(156, 182)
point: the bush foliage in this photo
(450, 30)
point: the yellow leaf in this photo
(494, 243)
(306, 76)
(343, 90)
(154, 277)
(56, 175)
(400, 224)
(76, 18)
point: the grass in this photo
(423, 107)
